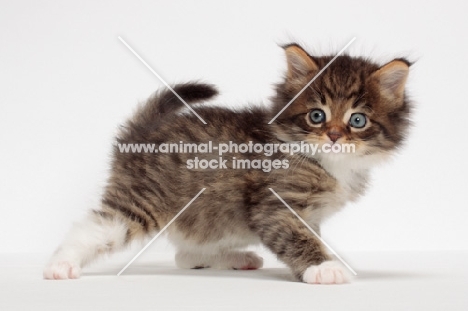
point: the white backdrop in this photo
(67, 82)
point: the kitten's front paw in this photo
(328, 272)
(62, 270)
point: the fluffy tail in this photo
(166, 102)
(189, 92)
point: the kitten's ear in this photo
(391, 78)
(299, 62)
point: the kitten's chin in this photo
(359, 158)
(335, 157)
(353, 155)
(337, 151)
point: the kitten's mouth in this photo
(330, 142)
(338, 147)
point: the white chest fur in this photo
(351, 176)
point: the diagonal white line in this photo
(311, 81)
(160, 232)
(159, 77)
(313, 231)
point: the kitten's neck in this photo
(351, 173)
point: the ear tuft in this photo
(299, 62)
(392, 78)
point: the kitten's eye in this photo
(317, 116)
(358, 120)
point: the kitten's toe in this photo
(328, 272)
(62, 270)
(248, 261)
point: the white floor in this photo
(385, 281)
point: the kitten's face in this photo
(352, 102)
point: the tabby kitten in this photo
(352, 101)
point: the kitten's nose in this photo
(334, 135)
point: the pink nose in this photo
(334, 135)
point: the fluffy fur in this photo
(146, 190)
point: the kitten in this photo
(353, 101)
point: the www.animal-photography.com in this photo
(210, 155)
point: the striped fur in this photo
(146, 190)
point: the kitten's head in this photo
(353, 101)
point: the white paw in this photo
(247, 261)
(328, 272)
(62, 270)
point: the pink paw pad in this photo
(62, 271)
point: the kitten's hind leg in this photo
(100, 232)
(229, 259)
